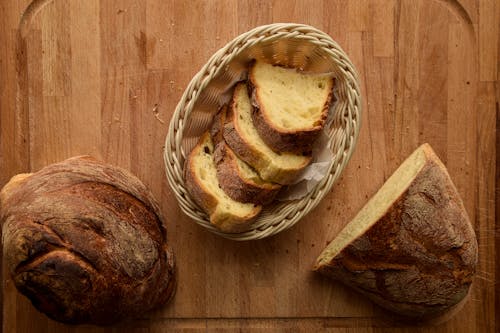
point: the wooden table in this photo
(103, 78)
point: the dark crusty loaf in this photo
(243, 138)
(289, 107)
(411, 249)
(235, 177)
(85, 242)
(201, 181)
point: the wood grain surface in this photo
(103, 78)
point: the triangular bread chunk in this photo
(411, 249)
(243, 138)
(290, 107)
(201, 181)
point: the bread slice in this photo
(290, 107)
(236, 178)
(239, 180)
(200, 174)
(411, 249)
(243, 138)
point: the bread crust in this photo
(79, 236)
(249, 154)
(223, 220)
(419, 259)
(217, 128)
(235, 184)
(200, 194)
(294, 141)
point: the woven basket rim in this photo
(174, 155)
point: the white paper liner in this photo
(313, 173)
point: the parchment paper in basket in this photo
(313, 174)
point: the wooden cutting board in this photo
(103, 78)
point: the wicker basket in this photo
(296, 45)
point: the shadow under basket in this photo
(291, 45)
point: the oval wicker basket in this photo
(295, 45)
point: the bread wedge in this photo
(290, 107)
(200, 174)
(243, 138)
(411, 249)
(236, 178)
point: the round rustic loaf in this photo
(85, 242)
